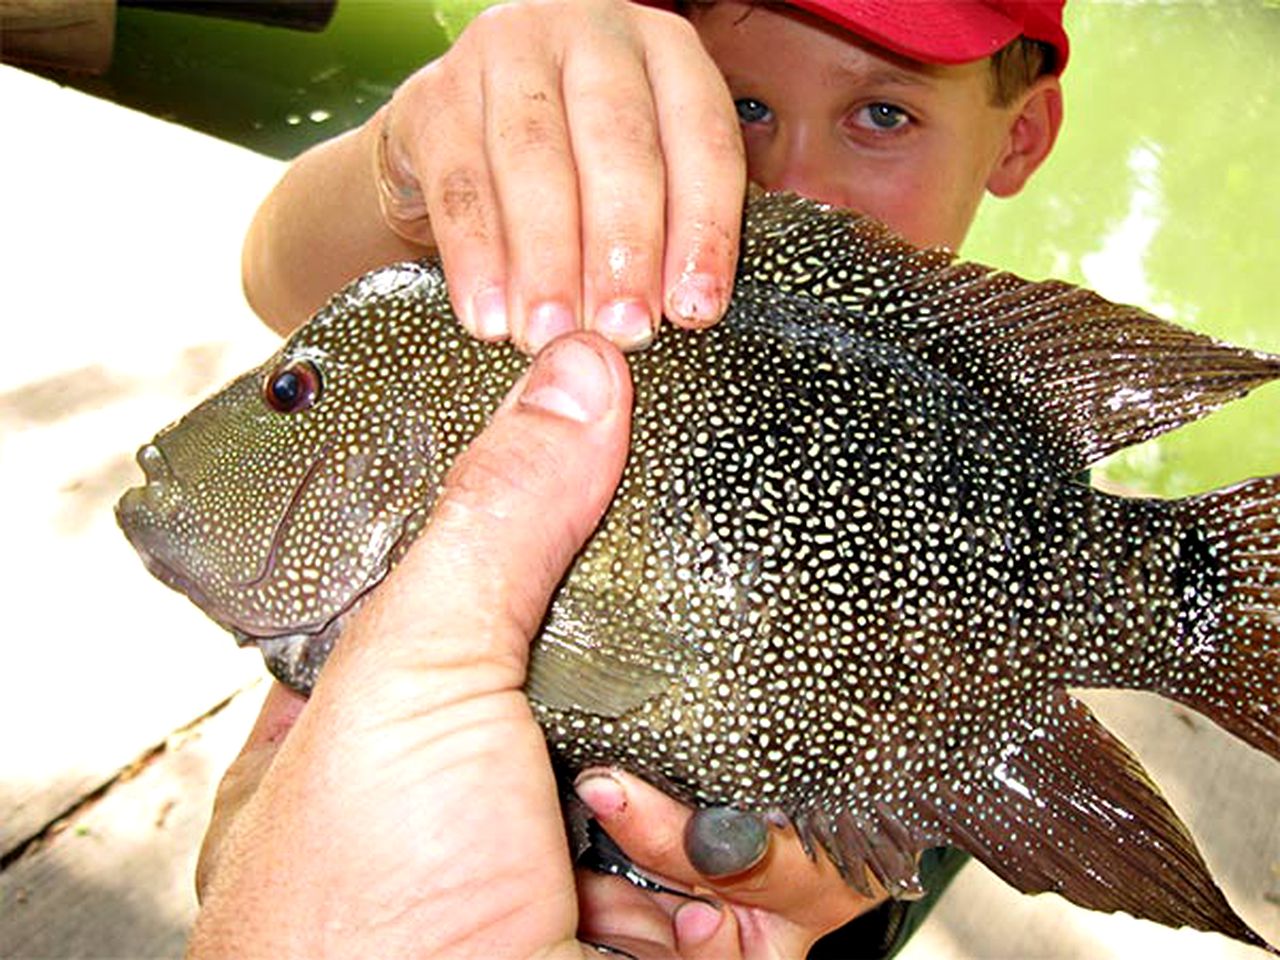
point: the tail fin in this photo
(1229, 579)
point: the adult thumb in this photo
(515, 509)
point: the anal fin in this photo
(1066, 807)
(875, 844)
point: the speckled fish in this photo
(849, 572)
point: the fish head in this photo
(279, 502)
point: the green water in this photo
(1163, 190)
(274, 90)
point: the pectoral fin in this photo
(596, 655)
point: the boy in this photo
(583, 165)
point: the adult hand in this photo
(410, 808)
(577, 163)
(776, 909)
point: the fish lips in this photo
(135, 514)
(155, 546)
(145, 512)
(149, 514)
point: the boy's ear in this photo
(1033, 129)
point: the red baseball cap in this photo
(947, 31)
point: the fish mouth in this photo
(148, 499)
(147, 514)
(155, 466)
(151, 544)
(142, 516)
(150, 540)
(142, 513)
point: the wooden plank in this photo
(116, 879)
(124, 312)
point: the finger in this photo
(706, 931)
(614, 134)
(531, 159)
(616, 914)
(515, 508)
(279, 711)
(706, 174)
(434, 138)
(650, 826)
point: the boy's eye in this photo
(752, 111)
(882, 116)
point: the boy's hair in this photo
(1014, 67)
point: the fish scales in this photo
(849, 569)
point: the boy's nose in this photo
(800, 164)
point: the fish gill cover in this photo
(849, 572)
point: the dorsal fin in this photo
(1091, 376)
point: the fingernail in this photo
(697, 299)
(546, 322)
(489, 313)
(570, 380)
(696, 922)
(722, 841)
(626, 322)
(603, 794)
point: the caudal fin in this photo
(1229, 579)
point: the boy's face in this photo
(850, 124)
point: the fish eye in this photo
(292, 387)
(751, 110)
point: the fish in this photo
(850, 571)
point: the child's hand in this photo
(577, 164)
